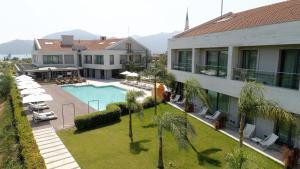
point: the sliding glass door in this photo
(289, 68)
(216, 63)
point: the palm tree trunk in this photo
(242, 124)
(186, 123)
(155, 107)
(160, 164)
(130, 127)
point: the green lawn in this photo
(109, 148)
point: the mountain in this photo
(157, 43)
(78, 34)
(16, 47)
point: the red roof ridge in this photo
(281, 12)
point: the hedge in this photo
(122, 105)
(97, 119)
(29, 149)
(149, 102)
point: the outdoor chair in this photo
(203, 112)
(249, 130)
(39, 106)
(182, 102)
(44, 116)
(176, 98)
(268, 141)
(213, 117)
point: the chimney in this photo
(67, 40)
(103, 38)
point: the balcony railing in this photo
(182, 67)
(218, 71)
(280, 79)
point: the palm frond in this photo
(193, 89)
(272, 110)
(175, 124)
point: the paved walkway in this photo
(53, 151)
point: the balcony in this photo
(279, 79)
(217, 71)
(182, 67)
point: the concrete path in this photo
(54, 152)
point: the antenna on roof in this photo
(128, 32)
(221, 8)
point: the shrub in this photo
(97, 119)
(29, 150)
(123, 107)
(9, 146)
(148, 102)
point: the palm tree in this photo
(236, 159)
(133, 106)
(252, 103)
(160, 74)
(193, 89)
(176, 125)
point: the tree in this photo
(133, 106)
(236, 159)
(160, 74)
(193, 89)
(176, 125)
(252, 103)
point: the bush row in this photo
(96, 119)
(9, 145)
(29, 150)
(110, 115)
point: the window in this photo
(287, 132)
(111, 59)
(88, 59)
(52, 59)
(248, 59)
(69, 59)
(216, 62)
(289, 68)
(123, 59)
(183, 61)
(137, 59)
(99, 59)
(218, 101)
(128, 47)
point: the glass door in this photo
(289, 68)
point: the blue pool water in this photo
(105, 94)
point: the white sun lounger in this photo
(215, 116)
(268, 141)
(44, 116)
(249, 130)
(38, 106)
(182, 102)
(175, 99)
(203, 112)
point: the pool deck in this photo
(61, 97)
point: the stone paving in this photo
(54, 152)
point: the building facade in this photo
(100, 59)
(262, 45)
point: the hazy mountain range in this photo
(157, 43)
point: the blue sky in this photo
(27, 19)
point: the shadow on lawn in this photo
(137, 147)
(204, 156)
(150, 125)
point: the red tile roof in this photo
(55, 44)
(286, 11)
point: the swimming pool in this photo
(105, 94)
